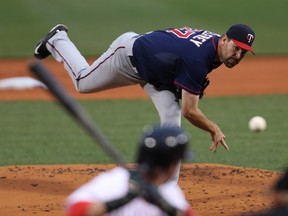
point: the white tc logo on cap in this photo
(250, 38)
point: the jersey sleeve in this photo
(190, 76)
(101, 188)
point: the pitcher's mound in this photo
(211, 189)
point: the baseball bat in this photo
(75, 110)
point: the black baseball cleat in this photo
(41, 51)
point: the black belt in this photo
(132, 60)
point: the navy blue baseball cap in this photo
(242, 35)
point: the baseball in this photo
(257, 124)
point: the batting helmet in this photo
(162, 146)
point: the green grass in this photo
(264, 150)
(42, 133)
(94, 24)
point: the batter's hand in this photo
(217, 139)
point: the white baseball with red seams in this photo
(257, 124)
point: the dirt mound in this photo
(211, 189)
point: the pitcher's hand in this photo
(217, 139)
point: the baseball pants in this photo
(111, 70)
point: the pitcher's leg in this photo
(175, 177)
(64, 51)
(111, 70)
(164, 101)
(169, 112)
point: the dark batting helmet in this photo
(162, 146)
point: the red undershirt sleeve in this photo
(190, 212)
(78, 209)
